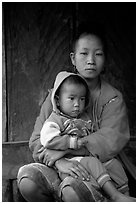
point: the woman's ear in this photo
(72, 57)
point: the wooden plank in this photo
(17, 197)
(14, 155)
(6, 190)
(10, 191)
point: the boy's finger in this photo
(41, 156)
(41, 149)
(73, 174)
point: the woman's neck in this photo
(95, 87)
(93, 84)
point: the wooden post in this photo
(4, 135)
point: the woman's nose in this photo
(91, 59)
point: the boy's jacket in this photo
(58, 128)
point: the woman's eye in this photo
(83, 53)
(99, 54)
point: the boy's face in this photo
(72, 99)
(89, 56)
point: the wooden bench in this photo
(17, 154)
(14, 155)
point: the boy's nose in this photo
(76, 104)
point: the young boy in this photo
(68, 127)
(68, 121)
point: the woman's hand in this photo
(49, 157)
(73, 168)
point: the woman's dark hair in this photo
(93, 28)
(76, 80)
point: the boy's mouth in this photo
(76, 112)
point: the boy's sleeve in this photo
(50, 135)
(49, 131)
(113, 133)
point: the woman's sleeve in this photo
(34, 142)
(113, 133)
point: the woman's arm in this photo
(34, 142)
(113, 133)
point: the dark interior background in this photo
(36, 44)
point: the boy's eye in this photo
(71, 98)
(83, 99)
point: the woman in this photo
(38, 182)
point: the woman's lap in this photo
(113, 168)
(44, 177)
(85, 191)
(48, 180)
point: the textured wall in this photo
(120, 26)
(37, 47)
(38, 37)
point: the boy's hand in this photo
(81, 142)
(49, 157)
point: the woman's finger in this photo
(80, 171)
(84, 172)
(73, 174)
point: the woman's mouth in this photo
(90, 69)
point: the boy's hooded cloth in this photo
(61, 126)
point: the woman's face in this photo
(89, 56)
